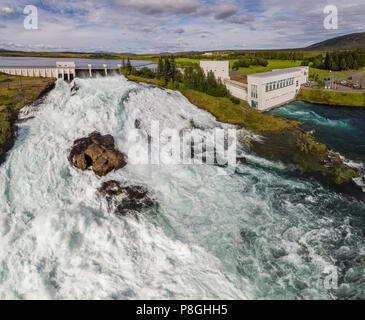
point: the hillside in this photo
(347, 42)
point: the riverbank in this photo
(332, 98)
(15, 93)
(284, 140)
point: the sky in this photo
(155, 26)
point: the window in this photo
(297, 83)
(254, 91)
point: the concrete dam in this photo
(66, 70)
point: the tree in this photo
(173, 68)
(129, 67)
(350, 61)
(343, 64)
(167, 70)
(327, 62)
(160, 68)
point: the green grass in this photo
(157, 82)
(324, 73)
(336, 98)
(273, 64)
(227, 111)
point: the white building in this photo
(270, 89)
(262, 91)
(219, 68)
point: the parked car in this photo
(343, 82)
(356, 85)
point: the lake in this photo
(51, 62)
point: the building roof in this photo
(276, 72)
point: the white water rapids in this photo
(262, 232)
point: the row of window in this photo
(279, 84)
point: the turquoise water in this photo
(341, 128)
(261, 232)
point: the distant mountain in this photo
(347, 42)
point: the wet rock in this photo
(241, 160)
(74, 89)
(137, 124)
(279, 252)
(98, 152)
(124, 200)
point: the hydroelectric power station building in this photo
(262, 91)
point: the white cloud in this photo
(6, 11)
(242, 19)
(179, 31)
(162, 6)
(225, 11)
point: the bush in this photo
(234, 100)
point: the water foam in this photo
(258, 233)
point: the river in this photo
(262, 232)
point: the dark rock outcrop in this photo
(98, 152)
(241, 160)
(137, 124)
(125, 200)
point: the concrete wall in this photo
(237, 89)
(30, 72)
(219, 68)
(64, 70)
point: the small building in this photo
(219, 68)
(262, 91)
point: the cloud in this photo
(2, 26)
(7, 12)
(161, 6)
(226, 11)
(241, 19)
(179, 31)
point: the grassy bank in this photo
(284, 139)
(335, 98)
(15, 93)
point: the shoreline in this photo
(332, 98)
(285, 141)
(12, 110)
